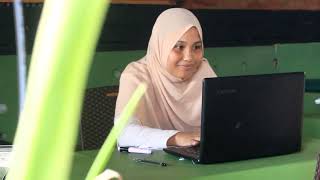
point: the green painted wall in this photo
(259, 60)
(107, 67)
(8, 96)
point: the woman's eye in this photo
(198, 47)
(178, 47)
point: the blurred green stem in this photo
(65, 43)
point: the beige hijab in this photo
(169, 103)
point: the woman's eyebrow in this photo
(181, 42)
(184, 42)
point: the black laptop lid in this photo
(246, 117)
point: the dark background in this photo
(128, 27)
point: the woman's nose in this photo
(188, 55)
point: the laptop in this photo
(245, 117)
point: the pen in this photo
(135, 150)
(150, 162)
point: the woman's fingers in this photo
(194, 143)
(196, 136)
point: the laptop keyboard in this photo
(193, 151)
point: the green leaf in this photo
(47, 131)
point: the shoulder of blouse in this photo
(136, 71)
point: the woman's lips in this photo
(186, 66)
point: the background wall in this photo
(128, 27)
(228, 61)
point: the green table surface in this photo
(296, 166)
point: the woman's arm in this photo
(145, 137)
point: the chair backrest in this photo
(317, 175)
(97, 116)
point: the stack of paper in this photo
(5, 156)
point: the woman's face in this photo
(186, 55)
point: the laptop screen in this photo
(246, 117)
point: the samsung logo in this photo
(226, 91)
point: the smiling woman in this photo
(173, 69)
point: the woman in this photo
(173, 69)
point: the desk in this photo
(297, 166)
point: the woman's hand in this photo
(184, 139)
